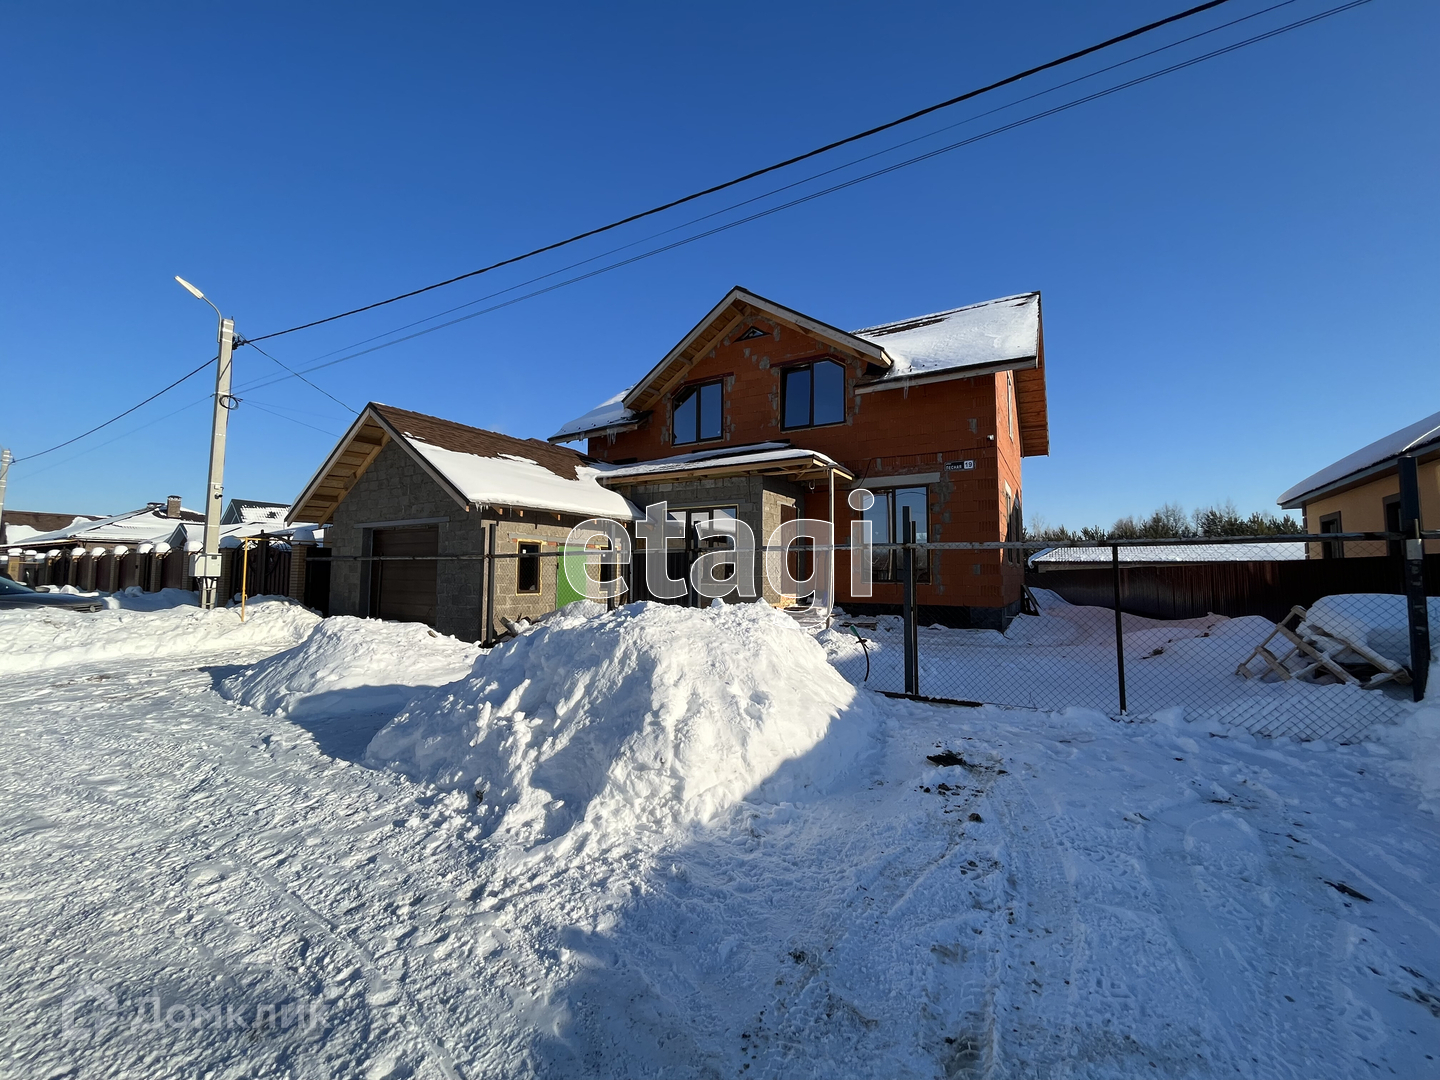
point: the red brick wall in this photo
(886, 433)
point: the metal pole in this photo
(206, 565)
(489, 564)
(830, 578)
(912, 639)
(5, 459)
(1415, 603)
(244, 575)
(1119, 625)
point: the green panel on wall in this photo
(564, 592)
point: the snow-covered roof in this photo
(514, 480)
(610, 413)
(756, 456)
(147, 524)
(18, 525)
(992, 334)
(1172, 553)
(254, 510)
(477, 467)
(1420, 434)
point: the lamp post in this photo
(205, 564)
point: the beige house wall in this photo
(1362, 509)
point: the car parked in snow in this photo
(15, 595)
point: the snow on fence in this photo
(1299, 662)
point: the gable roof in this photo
(737, 305)
(474, 466)
(1377, 457)
(964, 342)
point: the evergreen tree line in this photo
(1174, 520)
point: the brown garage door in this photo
(404, 591)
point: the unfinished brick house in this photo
(759, 411)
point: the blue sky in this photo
(1238, 261)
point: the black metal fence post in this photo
(912, 637)
(1119, 624)
(1415, 603)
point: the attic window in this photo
(753, 332)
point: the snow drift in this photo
(143, 626)
(635, 720)
(348, 666)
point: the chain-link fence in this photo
(1308, 636)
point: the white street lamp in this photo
(205, 564)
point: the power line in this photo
(767, 212)
(766, 194)
(1063, 107)
(967, 96)
(120, 416)
(299, 376)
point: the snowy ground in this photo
(1060, 895)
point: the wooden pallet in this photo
(1314, 654)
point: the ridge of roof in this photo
(917, 321)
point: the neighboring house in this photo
(20, 525)
(760, 408)
(401, 483)
(148, 547)
(1361, 492)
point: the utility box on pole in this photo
(205, 565)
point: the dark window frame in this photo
(810, 365)
(1331, 549)
(527, 565)
(684, 394)
(887, 565)
(1393, 547)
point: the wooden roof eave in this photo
(324, 476)
(738, 305)
(334, 480)
(1031, 400)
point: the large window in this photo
(886, 516)
(813, 394)
(698, 413)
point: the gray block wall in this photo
(396, 488)
(758, 501)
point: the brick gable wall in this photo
(886, 433)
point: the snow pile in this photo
(348, 666)
(148, 625)
(636, 720)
